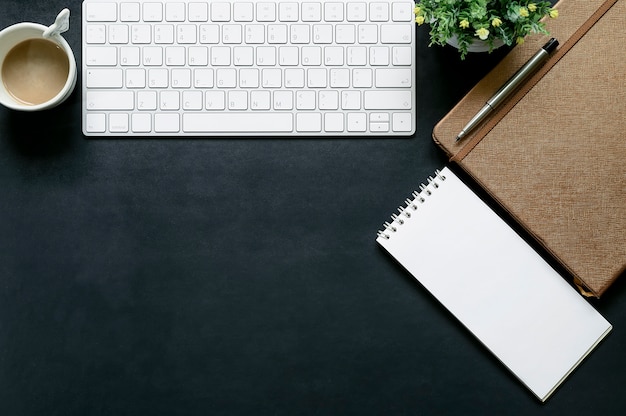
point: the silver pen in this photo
(510, 86)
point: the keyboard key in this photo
(392, 78)
(192, 100)
(243, 56)
(351, 100)
(152, 56)
(379, 55)
(169, 100)
(356, 12)
(158, 78)
(305, 100)
(198, 56)
(356, 55)
(152, 12)
(141, 34)
(362, 78)
(345, 34)
(95, 123)
(311, 12)
(220, 55)
(96, 35)
(175, 56)
(203, 78)
(288, 12)
(186, 34)
(401, 122)
(395, 33)
(198, 12)
(379, 12)
(243, 12)
(118, 122)
(101, 12)
(266, 12)
(167, 123)
(401, 12)
(311, 55)
(277, 34)
(181, 78)
(215, 100)
(379, 127)
(309, 122)
(260, 100)
(237, 122)
(110, 100)
(368, 33)
(333, 12)
(328, 100)
(249, 78)
(101, 56)
(357, 122)
(294, 78)
(118, 34)
(175, 12)
(299, 34)
(164, 34)
(333, 122)
(104, 78)
(135, 78)
(129, 12)
(316, 78)
(237, 100)
(255, 34)
(322, 34)
(129, 56)
(283, 100)
(146, 100)
(225, 78)
(231, 34)
(387, 100)
(141, 123)
(288, 55)
(220, 12)
(339, 78)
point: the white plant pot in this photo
(477, 45)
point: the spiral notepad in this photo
(493, 282)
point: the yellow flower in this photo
(523, 11)
(464, 24)
(519, 40)
(554, 13)
(482, 33)
(417, 10)
(532, 7)
(419, 20)
(496, 22)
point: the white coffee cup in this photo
(18, 34)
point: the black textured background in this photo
(239, 276)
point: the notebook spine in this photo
(411, 205)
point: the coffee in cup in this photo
(35, 71)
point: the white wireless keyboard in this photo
(248, 68)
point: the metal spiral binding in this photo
(410, 205)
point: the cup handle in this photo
(61, 24)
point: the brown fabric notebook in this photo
(554, 154)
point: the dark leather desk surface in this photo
(239, 276)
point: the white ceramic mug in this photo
(21, 32)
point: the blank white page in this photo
(490, 279)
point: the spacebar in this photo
(237, 122)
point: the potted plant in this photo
(482, 25)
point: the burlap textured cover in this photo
(555, 158)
